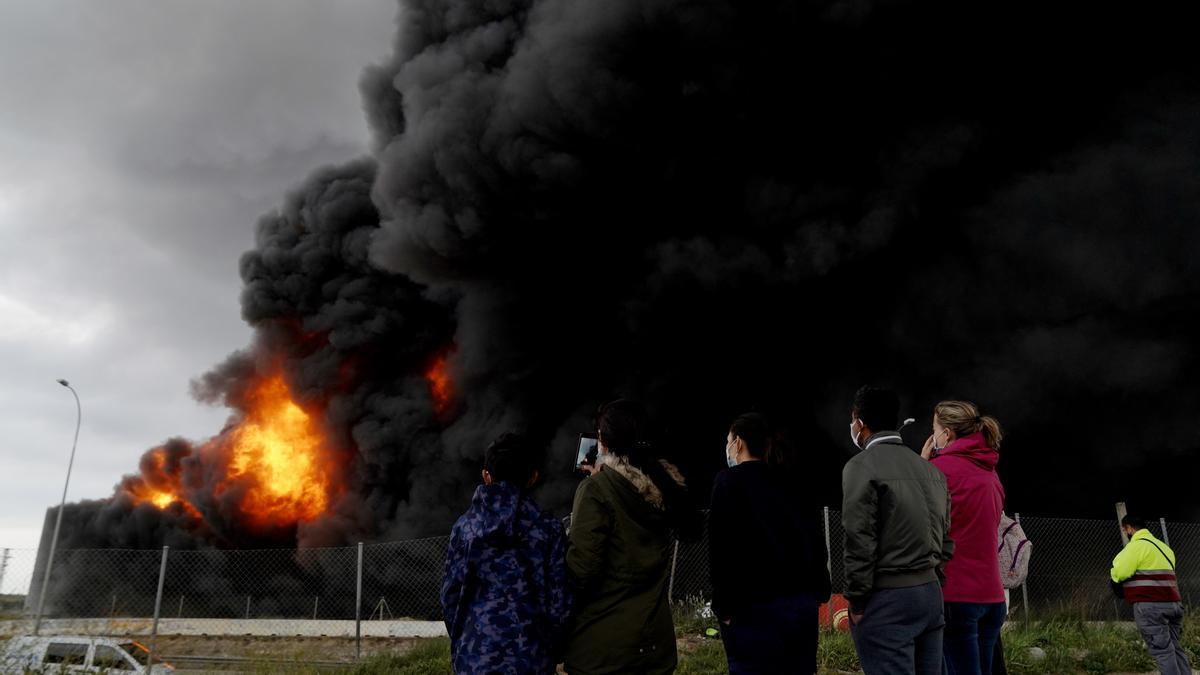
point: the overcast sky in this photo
(139, 142)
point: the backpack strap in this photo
(1010, 529)
(1017, 555)
(1164, 553)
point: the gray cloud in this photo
(139, 144)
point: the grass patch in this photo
(1075, 646)
(689, 618)
(1069, 646)
(425, 657)
(835, 652)
(431, 656)
(12, 606)
(704, 658)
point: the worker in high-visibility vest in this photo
(1145, 568)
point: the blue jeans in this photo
(901, 631)
(972, 629)
(773, 637)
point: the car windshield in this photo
(137, 651)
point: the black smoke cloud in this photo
(716, 207)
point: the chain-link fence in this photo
(393, 588)
(1068, 569)
(1184, 538)
(16, 572)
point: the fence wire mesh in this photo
(98, 583)
(404, 579)
(263, 585)
(837, 576)
(690, 581)
(316, 591)
(1069, 568)
(16, 573)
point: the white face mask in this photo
(730, 459)
(936, 447)
(854, 436)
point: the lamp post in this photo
(37, 623)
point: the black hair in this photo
(1136, 522)
(754, 430)
(510, 459)
(877, 407)
(624, 429)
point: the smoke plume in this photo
(716, 207)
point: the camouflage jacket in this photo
(504, 594)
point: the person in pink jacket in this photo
(965, 447)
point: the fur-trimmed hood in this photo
(640, 481)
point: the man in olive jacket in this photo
(896, 518)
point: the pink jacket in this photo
(976, 502)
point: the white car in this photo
(76, 654)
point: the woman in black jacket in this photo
(768, 559)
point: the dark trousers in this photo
(901, 631)
(773, 636)
(998, 665)
(972, 629)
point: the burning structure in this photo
(714, 207)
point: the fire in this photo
(157, 484)
(440, 385)
(160, 498)
(274, 458)
(278, 450)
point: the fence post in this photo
(180, 614)
(671, 582)
(358, 608)
(162, 575)
(247, 608)
(3, 568)
(1025, 583)
(1121, 512)
(1166, 537)
(828, 566)
(316, 602)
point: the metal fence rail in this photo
(309, 590)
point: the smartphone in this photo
(589, 448)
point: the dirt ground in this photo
(298, 648)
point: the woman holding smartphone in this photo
(619, 548)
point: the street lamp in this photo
(37, 624)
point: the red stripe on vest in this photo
(1152, 593)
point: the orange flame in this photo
(160, 498)
(277, 449)
(156, 485)
(440, 384)
(275, 456)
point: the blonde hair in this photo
(963, 418)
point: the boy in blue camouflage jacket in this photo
(504, 595)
